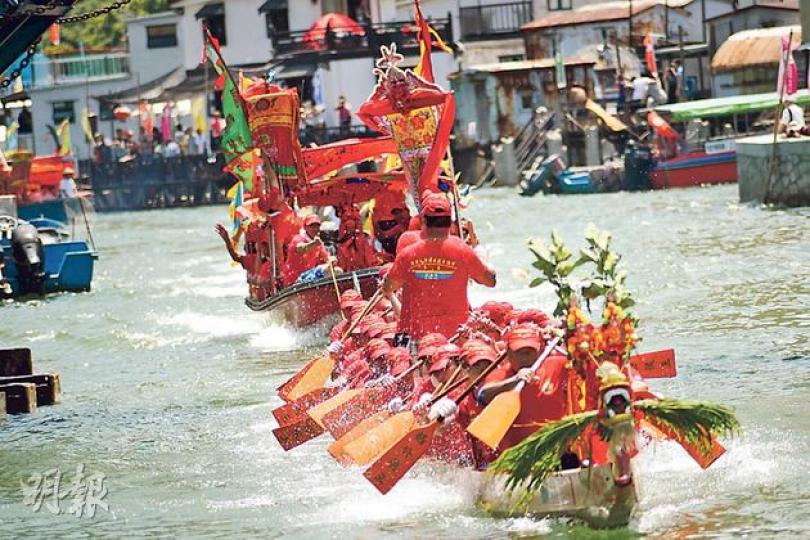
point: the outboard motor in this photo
(29, 258)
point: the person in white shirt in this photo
(67, 186)
(792, 118)
(197, 146)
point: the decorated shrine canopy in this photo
(351, 189)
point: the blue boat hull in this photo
(68, 267)
(54, 209)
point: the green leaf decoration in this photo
(529, 463)
(536, 282)
(695, 421)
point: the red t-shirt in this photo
(297, 263)
(356, 254)
(540, 401)
(285, 224)
(434, 276)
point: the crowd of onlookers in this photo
(124, 147)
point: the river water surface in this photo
(168, 380)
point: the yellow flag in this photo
(88, 132)
(64, 137)
(198, 113)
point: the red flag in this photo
(53, 34)
(425, 67)
(649, 55)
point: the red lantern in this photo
(122, 113)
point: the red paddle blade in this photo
(297, 409)
(400, 458)
(655, 365)
(284, 390)
(297, 433)
(344, 417)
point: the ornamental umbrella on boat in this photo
(335, 23)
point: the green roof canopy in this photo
(727, 106)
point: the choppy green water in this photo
(168, 380)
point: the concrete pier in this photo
(790, 185)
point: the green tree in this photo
(105, 31)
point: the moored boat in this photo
(39, 257)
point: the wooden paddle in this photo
(297, 433)
(495, 420)
(391, 466)
(315, 374)
(296, 410)
(344, 417)
(364, 426)
(335, 283)
(374, 442)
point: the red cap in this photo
(311, 220)
(477, 350)
(498, 312)
(350, 297)
(523, 336)
(443, 356)
(530, 316)
(377, 348)
(376, 329)
(357, 308)
(389, 332)
(436, 205)
(399, 359)
(429, 343)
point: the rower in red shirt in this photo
(354, 249)
(476, 355)
(543, 398)
(433, 275)
(305, 252)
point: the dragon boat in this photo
(579, 465)
(413, 117)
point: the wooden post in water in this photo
(15, 362)
(21, 398)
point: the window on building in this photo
(213, 15)
(511, 58)
(276, 16)
(557, 5)
(159, 36)
(105, 110)
(63, 110)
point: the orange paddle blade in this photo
(374, 442)
(400, 458)
(315, 377)
(336, 448)
(343, 418)
(317, 412)
(704, 460)
(491, 425)
(296, 410)
(297, 433)
(655, 365)
(284, 390)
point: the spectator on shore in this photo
(102, 153)
(344, 111)
(24, 122)
(641, 86)
(673, 81)
(197, 144)
(172, 149)
(178, 131)
(217, 127)
(792, 122)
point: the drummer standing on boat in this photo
(433, 274)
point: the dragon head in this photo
(616, 420)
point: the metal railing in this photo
(494, 20)
(76, 69)
(352, 42)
